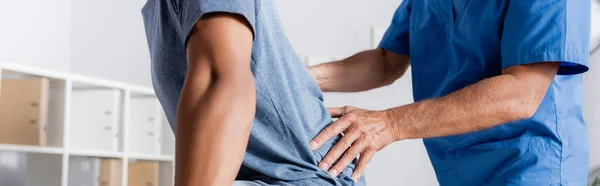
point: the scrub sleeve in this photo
(544, 31)
(396, 38)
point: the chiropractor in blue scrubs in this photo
(497, 88)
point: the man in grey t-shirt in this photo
(239, 99)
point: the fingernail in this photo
(313, 145)
(333, 172)
(355, 179)
(323, 166)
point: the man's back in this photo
(289, 105)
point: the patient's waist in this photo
(285, 154)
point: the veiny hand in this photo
(365, 132)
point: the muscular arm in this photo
(217, 102)
(364, 71)
(514, 95)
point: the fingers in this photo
(332, 130)
(337, 112)
(349, 155)
(338, 149)
(364, 159)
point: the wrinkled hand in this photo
(365, 132)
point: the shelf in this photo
(87, 119)
(79, 79)
(150, 157)
(31, 149)
(142, 92)
(15, 66)
(92, 153)
(85, 82)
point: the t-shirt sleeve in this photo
(396, 38)
(547, 30)
(193, 10)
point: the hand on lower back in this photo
(365, 133)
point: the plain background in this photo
(106, 39)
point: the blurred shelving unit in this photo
(62, 129)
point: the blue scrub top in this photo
(453, 44)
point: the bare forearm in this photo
(363, 71)
(514, 95)
(485, 104)
(212, 133)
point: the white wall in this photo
(108, 40)
(333, 27)
(35, 32)
(591, 107)
(97, 38)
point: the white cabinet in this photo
(95, 118)
(83, 171)
(144, 125)
(168, 137)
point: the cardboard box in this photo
(24, 111)
(143, 173)
(110, 172)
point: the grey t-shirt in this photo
(289, 104)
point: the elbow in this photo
(523, 98)
(392, 75)
(394, 66)
(524, 108)
(388, 81)
(526, 112)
